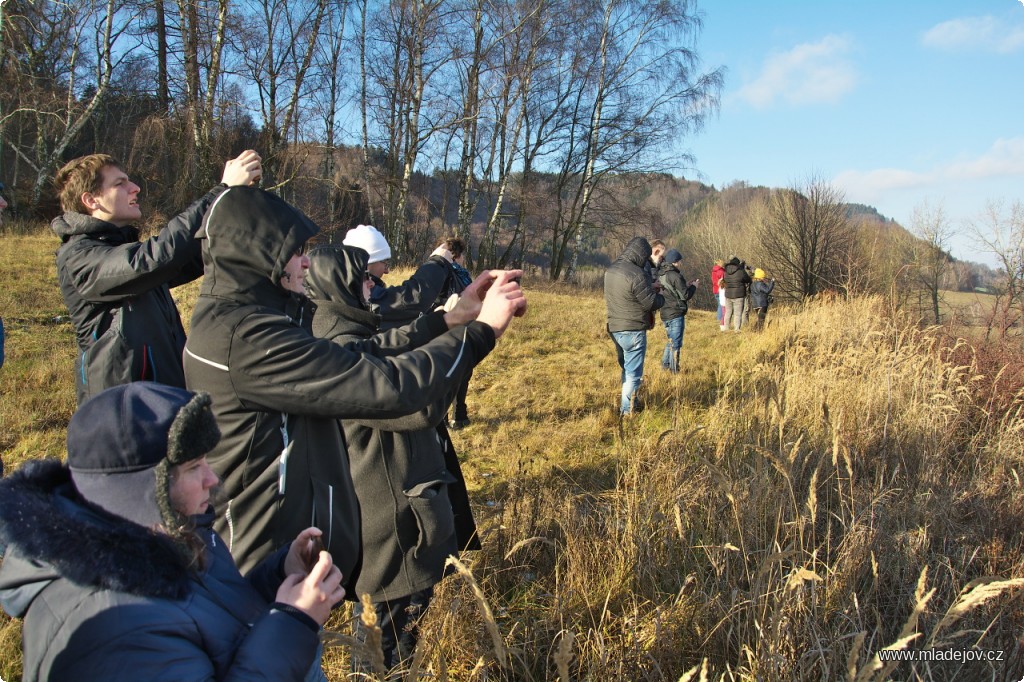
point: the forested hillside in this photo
(546, 133)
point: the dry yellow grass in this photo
(789, 505)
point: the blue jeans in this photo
(674, 328)
(630, 348)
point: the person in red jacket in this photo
(717, 273)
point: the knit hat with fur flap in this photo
(123, 442)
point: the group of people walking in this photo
(647, 278)
(310, 393)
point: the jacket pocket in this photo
(323, 509)
(429, 502)
(109, 361)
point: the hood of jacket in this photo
(336, 273)
(335, 283)
(53, 533)
(71, 224)
(667, 267)
(637, 252)
(733, 266)
(248, 237)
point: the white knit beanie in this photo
(369, 239)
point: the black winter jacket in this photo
(398, 465)
(103, 598)
(278, 391)
(427, 288)
(628, 296)
(759, 291)
(736, 279)
(676, 291)
(117, 290)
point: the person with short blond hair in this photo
(116, 287)
(82, 176)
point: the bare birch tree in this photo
(1000, 231)
(929, 256)
(202, 28)
(288, 32)
(405, 54)
(641, 93)
(63, 48)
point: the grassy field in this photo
(789, 507)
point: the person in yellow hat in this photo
(760, 295)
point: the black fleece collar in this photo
(45, 522)
(72, 224)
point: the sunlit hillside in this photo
(791, 506)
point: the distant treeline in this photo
(500, 121)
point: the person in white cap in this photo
(399, 305)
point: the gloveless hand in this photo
(243, 170)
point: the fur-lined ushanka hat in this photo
(123, 442)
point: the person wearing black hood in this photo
(673, 314)
(413, 505)
(116, 573)
(278, 391)
(737, 282)
(630, 300)
(116, 287)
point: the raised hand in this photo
(493, 298)
(503, 300)
(243, 170)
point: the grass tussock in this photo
(787, 507)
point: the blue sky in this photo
(897, 102)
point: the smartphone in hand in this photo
(314, 553)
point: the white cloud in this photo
(982, 33)
(1005, 159)
(810, 73)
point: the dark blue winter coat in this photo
(103, 598)
(759, 291)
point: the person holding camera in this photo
(117, 574)
(413, 504)
(673, 314)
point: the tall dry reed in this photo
(788, 506)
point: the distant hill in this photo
(864, 212)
